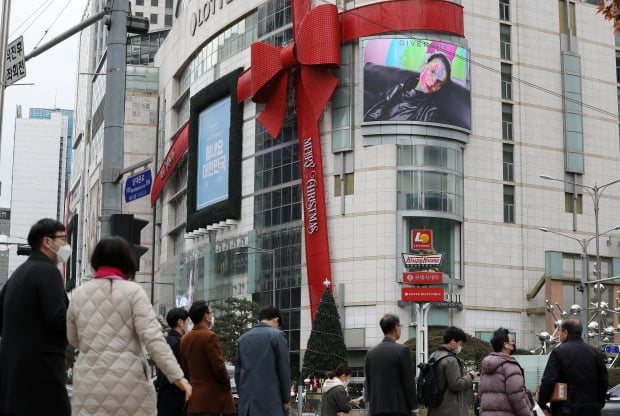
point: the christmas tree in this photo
(326, 349)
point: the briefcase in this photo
(560, 392)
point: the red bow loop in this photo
(318, 38)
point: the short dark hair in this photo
(388, 322)
(198, 310)
(45, 227)
(454, 333)
(446, 63)
(114, 251)
(340, 370)
(500, 336)
(269, 312)
(174, 314)
(572, 326)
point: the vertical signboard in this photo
(15, 61)
(213, 154)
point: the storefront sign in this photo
(421, 239)
(412, 260)
(422, 294)
(206, 9)
(422, 278)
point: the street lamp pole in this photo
(595, 193)
(273, 266)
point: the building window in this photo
(504, 10)
(168, 20)
(273, 15)
(139, 14)
(506, 121)
(504, 41)
(349, 184)
(169, 4)
(618, 67)
(153, 18)
(567, 21)
(508, 155)
(568, 203)
(509, 204)
(154, 3)
(506, 81)
(139, 2)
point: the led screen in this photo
(416, 80)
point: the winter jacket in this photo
(33, 308)
(335, 398)
(111, 322)
(502, 387)
(458, 393)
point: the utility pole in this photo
(114, 115)
(4, 40)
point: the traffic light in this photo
(23, 250)
(129, 227)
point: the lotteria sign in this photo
(421, 239)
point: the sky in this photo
(53, 73)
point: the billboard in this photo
(416, 80)
(213, 154)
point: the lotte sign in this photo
(422, 294)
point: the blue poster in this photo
(213, 154)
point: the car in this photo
(612, 404)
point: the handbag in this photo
(560, 392)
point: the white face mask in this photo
(212, 321)
(458, 349)
(63, 253)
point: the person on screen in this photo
(416, 98)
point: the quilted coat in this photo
(502, 387)
(111, 322)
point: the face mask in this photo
(458, 349)
(63, 253)
(212, 322)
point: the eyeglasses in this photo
(62, 237)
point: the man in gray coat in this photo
(262, 368)
(458, 386)
(390, 376)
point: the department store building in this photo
(367, 202)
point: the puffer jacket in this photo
(502, 387)
(111, 322)
(335, 398)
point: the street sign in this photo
(422, 294)
(138, 186)
(612, 349)
(421, 239)
(422, 278)
(15, 61)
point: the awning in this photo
(177, 150)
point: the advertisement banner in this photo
(213, 154)
(416, 80)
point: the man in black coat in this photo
(390, 376)
(171, 399)
(33, 329)
(579, 365)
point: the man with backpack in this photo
(390, 376)
(456, 385)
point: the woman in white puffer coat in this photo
(111, 321)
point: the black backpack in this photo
(429, 392)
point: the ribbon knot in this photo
(315, 50)
(287, 57)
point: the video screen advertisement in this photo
(416, 80)
(214, 183)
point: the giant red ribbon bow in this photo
(316, 48)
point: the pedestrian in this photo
(458, 386)
(111, 321)
(171, 399)
(502, 384)
(579, 365)
(33, 332)
(262, 367)
(390, 376)
(335, 397)
(203, 360)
